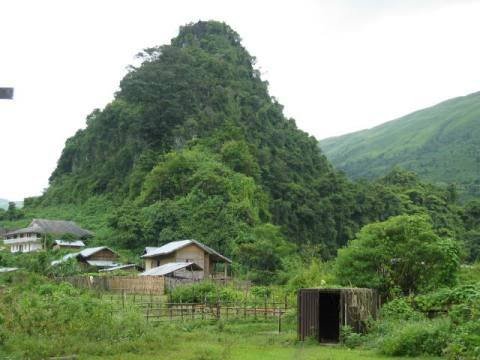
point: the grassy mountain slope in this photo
(440, 143)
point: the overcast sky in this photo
(336, 66)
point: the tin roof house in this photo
(32, 238)
(100, 257)
(185, 259)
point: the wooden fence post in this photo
(279, 320)
(265, 307)
(181, 309)
(204, 307)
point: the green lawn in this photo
(232, 341)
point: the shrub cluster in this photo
(40, 319)
(445, 322)
(202, 292)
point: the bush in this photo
(204, 292)
(428, 337)
(400, 309)
(35, 314)
(349, 338)
(465, 342)
(313, 274)
(381, 257)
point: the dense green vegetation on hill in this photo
(441, 144)
(193, 146)
(194, 134)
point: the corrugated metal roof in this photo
(170, 268)
(102, 263)
(167, 248)
(90, 251)
(85, 253)
(76, 243)
(43, 226)
(176, 245)
(120, 267)
(31, 229)
(64, 258)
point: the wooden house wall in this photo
(190, 253)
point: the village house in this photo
(100, 257)
(33, 237)
(187, 259)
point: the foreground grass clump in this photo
(40, 319)
(443, 323)
(244, 340)
(204, 292)
(416, 338)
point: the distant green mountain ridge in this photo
(4, 204)
(440, 143)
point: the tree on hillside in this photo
(400, 254)
(12, 212)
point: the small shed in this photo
(322, 312)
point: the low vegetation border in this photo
(125, 284)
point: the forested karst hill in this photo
(440, 143)
(193, 146)
(192, 119)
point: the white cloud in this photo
(337, 66)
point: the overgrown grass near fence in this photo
(161, 309)
(40, 319)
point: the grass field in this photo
(239, 340)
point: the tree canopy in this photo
(402, 253)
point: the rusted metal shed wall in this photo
(308, 313)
